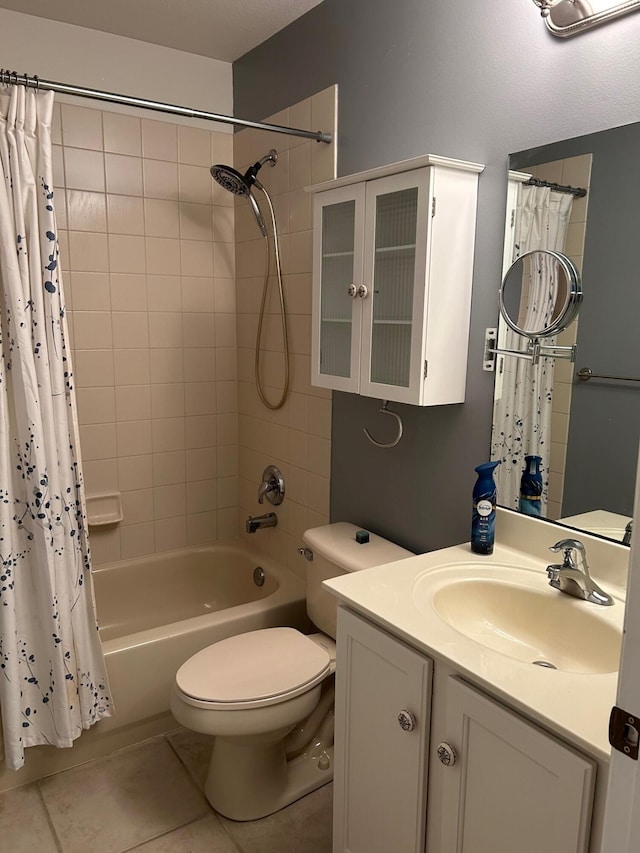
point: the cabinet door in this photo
(380, 768)
(337, 265)
(513, 786)
(398, 219)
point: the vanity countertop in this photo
(574, 705)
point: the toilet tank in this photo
(336, 551)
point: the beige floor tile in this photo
(115, 803)
(203, 836)
(304, 827)
(24, 827)
(194, 751)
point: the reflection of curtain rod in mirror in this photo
(578, 192)
(570, 17)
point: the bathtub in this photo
(155, 612)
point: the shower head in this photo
(238, 184)
(230, 179)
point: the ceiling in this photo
(220, 29)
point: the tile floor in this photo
(148, 798)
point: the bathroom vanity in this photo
(451, 732)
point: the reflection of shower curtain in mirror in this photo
(522, 413)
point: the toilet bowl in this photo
(267, 695)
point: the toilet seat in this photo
(253, 670)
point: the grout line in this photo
(162, 835)
(199, 789)
(56, 840)
(183, 764)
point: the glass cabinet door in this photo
(397, 223)
(337, 277)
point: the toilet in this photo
(267, 695)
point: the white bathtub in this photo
(155, 612)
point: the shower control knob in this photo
(363, 291)
(407, 721)
(353, 291)
(447, 754)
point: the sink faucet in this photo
(626, 539)
(255, 522)
(572, 578)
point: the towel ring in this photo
(385, 411)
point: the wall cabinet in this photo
(392, 272)
(496, 782)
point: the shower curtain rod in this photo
(578, 192)
(14, 79)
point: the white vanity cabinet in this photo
(380, 770)
(511, 787)
(508, 785)
(392, 270)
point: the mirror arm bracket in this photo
(534, 352)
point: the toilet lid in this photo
(254, 669)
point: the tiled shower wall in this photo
(148, 255)
(169, 415)
(297, 437)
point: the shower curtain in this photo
(53, 680)
(522, 408)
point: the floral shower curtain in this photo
(53, 680)
(522, 409)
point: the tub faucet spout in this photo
(255, 522)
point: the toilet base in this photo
(247, 781)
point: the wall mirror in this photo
(586, 433)
(541, 293)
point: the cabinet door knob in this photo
(407, 721)
(447, 754)
(363, 291)
(352, 291)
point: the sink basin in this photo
(536, 626)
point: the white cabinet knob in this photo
(363, 291)
(446, 753)
(352, 291)
(407, 721)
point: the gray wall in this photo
(605, 416)
(462, 79)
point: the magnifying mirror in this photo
(540, 294)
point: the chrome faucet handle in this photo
(567, 546)
(272, 486)
(263, 488)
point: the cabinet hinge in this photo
(426, 368)
(433, 206)
(624, 732)
(513, 217)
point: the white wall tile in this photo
(154, 310)
(122, 134)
